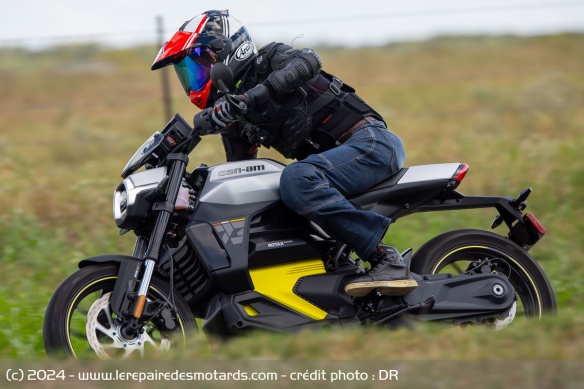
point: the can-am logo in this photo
(240, 170)
(244, 51)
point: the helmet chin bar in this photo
(201, 97)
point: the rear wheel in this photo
(79, 321)
(465, 251)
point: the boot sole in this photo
(386, 288)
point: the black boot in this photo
(389, 273)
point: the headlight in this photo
(130, 206)
(120, 203)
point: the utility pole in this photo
(164, 74)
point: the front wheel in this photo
(465, 251)
(79, 322)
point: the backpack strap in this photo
(336, 87)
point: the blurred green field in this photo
(512, 108)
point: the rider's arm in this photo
(291, 68)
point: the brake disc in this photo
(104, 334)
(502, 322)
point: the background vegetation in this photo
(512, 108)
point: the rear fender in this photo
(523, 229)
(128, 273)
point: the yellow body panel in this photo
(277, 282)
(251, 311)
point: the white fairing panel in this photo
(441, 171)
(244, 182)
(147, 179)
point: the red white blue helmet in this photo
(208, 38)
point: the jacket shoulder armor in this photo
(273, 56)
(263, 61)
(282, 55)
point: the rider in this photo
(341, 144)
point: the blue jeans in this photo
(317, 186)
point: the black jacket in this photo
(304, 119)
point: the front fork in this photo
(178, 163)
(165, 210)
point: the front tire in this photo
(81, 304)
(462, 251)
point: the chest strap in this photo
(321, 101)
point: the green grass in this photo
(512, 108)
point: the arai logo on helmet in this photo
(244, 51)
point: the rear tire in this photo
(460, 251)
(66, 318)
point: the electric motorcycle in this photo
(218, 245)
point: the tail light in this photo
(460, 172)
(530, 217)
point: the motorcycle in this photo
(218, 245)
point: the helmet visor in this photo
(194, 70)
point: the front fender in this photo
(121, 302)
(107, 258)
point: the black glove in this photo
(203, 124)
(224, 113)
(230, 108)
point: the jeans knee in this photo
(295, 180)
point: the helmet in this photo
(211, 37)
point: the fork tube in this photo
(165, 210)
(143, 291)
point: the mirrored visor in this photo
(194, 70)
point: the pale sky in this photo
(38, 23)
